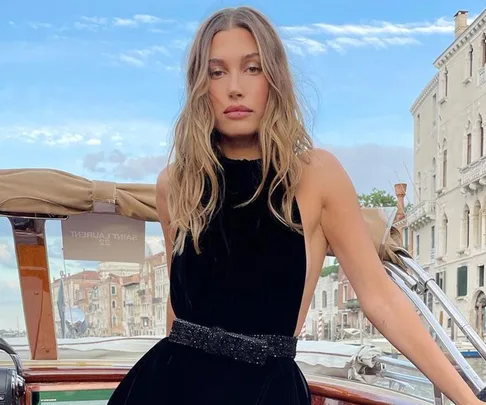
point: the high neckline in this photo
(240, 161)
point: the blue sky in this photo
(94, 87)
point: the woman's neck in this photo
(240, 147)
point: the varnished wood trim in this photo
(73, 386)
(74, 375)
(355, 396)
(87, 375)
(33, 270)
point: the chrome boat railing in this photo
(416, 283)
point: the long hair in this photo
(281, 134)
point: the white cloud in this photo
(140, 57)
(341, 43)
(46, 135)
(124, 22)
(124, 166)
(37, 26)
(94, 133)
(94, 23)
(149, 19)
(95, 20)
(7, 255)
(91, 23)
(180, 44)
(131, 60)
(439, 26)
(153, 50)
(302, 45)
(139, 19)
(316, 38)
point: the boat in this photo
(59, 361)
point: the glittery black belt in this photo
(248, 348)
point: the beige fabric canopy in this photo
(54, 192)
(44, 191)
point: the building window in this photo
(345, 320)
(434, 178)
(419, 186)
(434, 109)
(484, 50)
(417, 248)
(445, 223)
(405, 238)
(324, 299)
(465, 227)
(313, 304)
(345, 293)
(440, 279)
(113, 290)
(470, 61)
(446, 82)
(444, 168)
(468, 153)
(418, 129)
(481, 275)
(481, 136)
(336, 298)
(462, 281)
(429, 299)
(476, 219)
(432, 237)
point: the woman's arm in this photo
(381, 300)
(163, 213)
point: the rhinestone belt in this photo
(248, 348)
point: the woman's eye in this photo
(254, 69)
(216, 73)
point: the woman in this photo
(248, 210)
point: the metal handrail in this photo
(430, 283)
(418, 282)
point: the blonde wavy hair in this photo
(282, 135)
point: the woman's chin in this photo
(238, 131)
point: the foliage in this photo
(333, 268)
(377, 198)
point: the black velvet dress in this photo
(248, 279)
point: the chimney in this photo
(460, 22)
(400, 191)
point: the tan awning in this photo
(54, 192)
(43, 191)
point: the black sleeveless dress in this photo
(249, 279)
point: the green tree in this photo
(377, 198)
(332, 268)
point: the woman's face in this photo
(238, 88)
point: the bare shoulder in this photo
(161, 188)
(163, 179)
(328, 175)
(320, 159)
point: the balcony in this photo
(352, 304)
(473, 176)
(421, 215)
